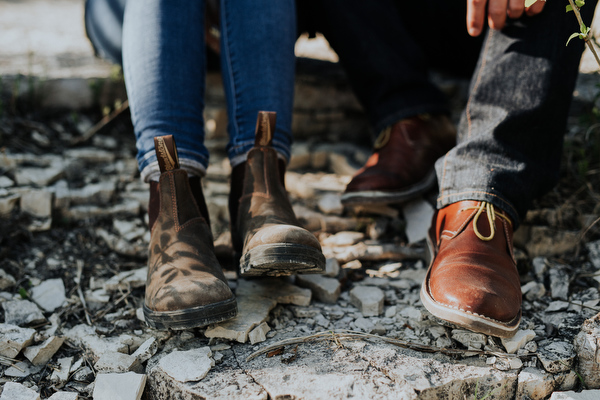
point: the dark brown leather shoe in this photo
(185, 287)
(402, 164)
(473, 280)
(264, 228)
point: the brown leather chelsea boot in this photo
(185, 287)
(473, 280)
(401, 166)
(264, 228)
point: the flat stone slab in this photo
(13, 339)
(17, 391)
(252, 311)
(42, 353)
(127, 386)
(117, 362)
(364, 370)
(22, 313)
(274, 288)
(324, 288)
(225, 381)
(584, 395)
(49, 294)
(190, 365)
(85, 336)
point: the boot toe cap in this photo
(476, 290)
(277, 234)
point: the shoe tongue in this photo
(166, 153)
(265, 126)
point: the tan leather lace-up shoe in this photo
(186, 287)
(473, 280)
(402, 164)
(266, 231)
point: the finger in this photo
(516, 8)
(535, 8)
(497, 10)
(475, 16)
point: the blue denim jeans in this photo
(164, 62)
(510, 134)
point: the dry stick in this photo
(584, 306)
(587, 35)
(338, 334)
(102, 124)
(10, 362)
(80, 293)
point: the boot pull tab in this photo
(265, 126)
(166, 153)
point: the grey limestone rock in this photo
(22, 313)
(368, 299)
(13, 339)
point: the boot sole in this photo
(454, 316)
(367, 197)
(189, 318)
(282, 259)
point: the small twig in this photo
(589, 227)
(9, 362)
(102, 124)
(587, 35)
(339, 334)
(584, 306)
(80, 293)
(102, 313)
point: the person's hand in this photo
(497, 11)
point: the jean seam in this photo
(477, 81)
(468, 106)
(225, 44)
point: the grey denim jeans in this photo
(511, 131)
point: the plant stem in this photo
(587, 35)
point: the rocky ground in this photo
(73, 238)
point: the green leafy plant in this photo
(584, 30)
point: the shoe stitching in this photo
(460, 228)
(265, 152)
(173, 202)
(469, 312)
(178, 227)
(508, 240)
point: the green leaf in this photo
(579, 3)
(569, 8)
(23, 293)
(529, 3)
(583, 29)
(573, 36)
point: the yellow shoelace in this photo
(383, 138)
(491, 216)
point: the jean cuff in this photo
(193, 168)
(449, 197)
(239, 154)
